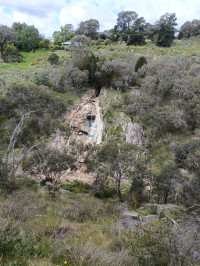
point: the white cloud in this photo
(49, 15)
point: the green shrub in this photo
(17, 248)
(140, 62)
(36, 61)
(57, 47)
(53, 59)
(13, 184)
(42, 79)
(77, 186)
(12, 55)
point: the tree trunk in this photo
(2, 52)
(167, 194)
(118, 189)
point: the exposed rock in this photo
(129, 223)
(87, 121)
(134, 134)
(131, 215)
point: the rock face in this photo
(134, 134)
(87, 122)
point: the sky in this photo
(48, 15)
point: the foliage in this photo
(137, 33)
(90, 63)
(15, 247)
(44, 44)
(42, 79)
(53, 59)
(32, 113)
(27, 36)
(163, 32)
(79, 78)
(140, 62)
(114, 160)
(49, 165)
(165, 183)
(6, 34)
(66, 33)
(77, 186)
(12, 54)
(190, 29)
(88, 28)
(126, 20)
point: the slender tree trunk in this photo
(167, 194)
(118, 189)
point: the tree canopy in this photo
(126, 20)
(163, 32)
(27, 36)
(66, 33)
(89, 28)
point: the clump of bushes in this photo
(53, 59)
(12, 55)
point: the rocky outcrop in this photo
(87, 122)
(134, 134)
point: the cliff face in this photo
(86, 122)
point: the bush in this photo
(80, 78)
(36, 61)
(140, 62)
(42, 79)
(77, 186)
(13, 184)
(45, 44)
(16, 247)
(53, 59)
(12, 55)
(57, 47)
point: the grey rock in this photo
(131, 215)
(129, 223)
(134, 134)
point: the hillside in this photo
(132, 142)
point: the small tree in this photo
(165, 182)
(49, 165)
(114, 160)
(140, 62)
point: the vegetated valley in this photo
(100, 145)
